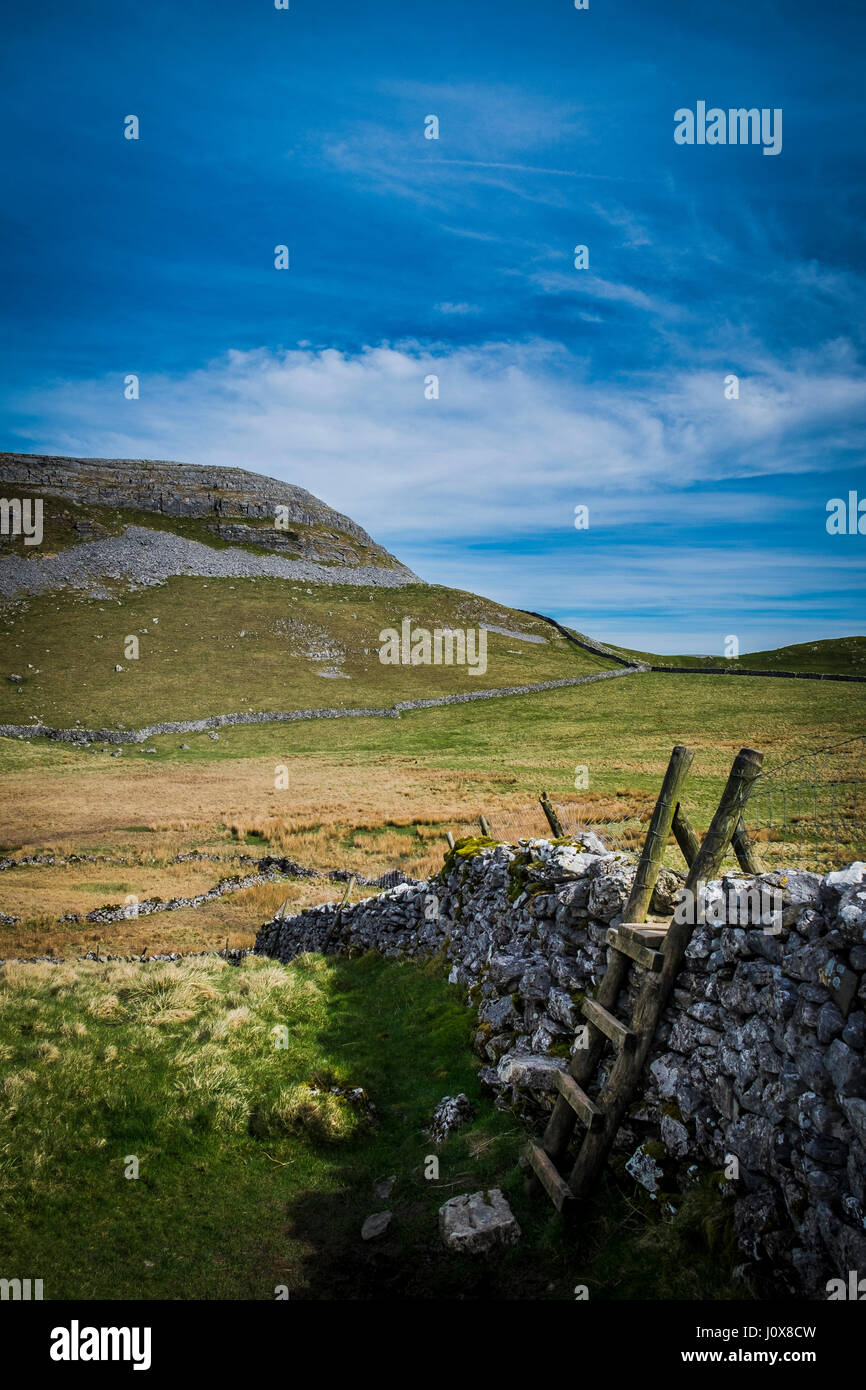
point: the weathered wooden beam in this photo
(657, 835)
(485, 826)
(586, 1059)
(687, 839)
(607, 1023)
(552, 818)
(635, 949)
(646, 935)
(450, 838)
(555, 1186)
(685, 834)
(747, 855)
(585, 1109)
(657, 988)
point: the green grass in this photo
(222, 646)
(623, 730)
(839, 655)
(252, 1174)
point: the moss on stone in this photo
(467, 848)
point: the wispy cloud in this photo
(462, 308)
(477, 488)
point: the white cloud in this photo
(477, 489)
(518, 435)
(449, 308)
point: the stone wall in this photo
(759, 1057)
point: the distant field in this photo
(842, 655)
(220, 647)
(371, 794)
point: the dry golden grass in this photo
(370, 796)
(94, 804)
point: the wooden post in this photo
(345, 898)
(686, 835)
(450, 838)
(747, 856)
(586, 1059)
(552, 818)
(687, 839)
(657, 835)
(653, 997)
(485, 827)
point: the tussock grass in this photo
(371, 795)
(255, 1167)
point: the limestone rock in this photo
(376, 1225)
(449, 1115)
(645, 1170)
(530, 1071)
(477, 1222)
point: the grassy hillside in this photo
(842, 655)
(219, 646)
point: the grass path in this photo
(254, 1173)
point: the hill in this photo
(232, 613)
(836, 655)
(96, 499)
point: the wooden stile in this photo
(634, 942)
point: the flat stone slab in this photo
(477, 1222)
(533, 1070)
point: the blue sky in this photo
(454, 257)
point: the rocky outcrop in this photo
(141, 558)
(173, 489)
(757, 1072)
(238, 508)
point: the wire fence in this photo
(618, 828)
(810, 812)
(806, 813)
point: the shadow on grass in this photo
(399, 1031)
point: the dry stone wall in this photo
(759, 1057)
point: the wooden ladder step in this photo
(631, 946)
(600, 1018)
(587, 1110)
(648, 933)
(554, 1185)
